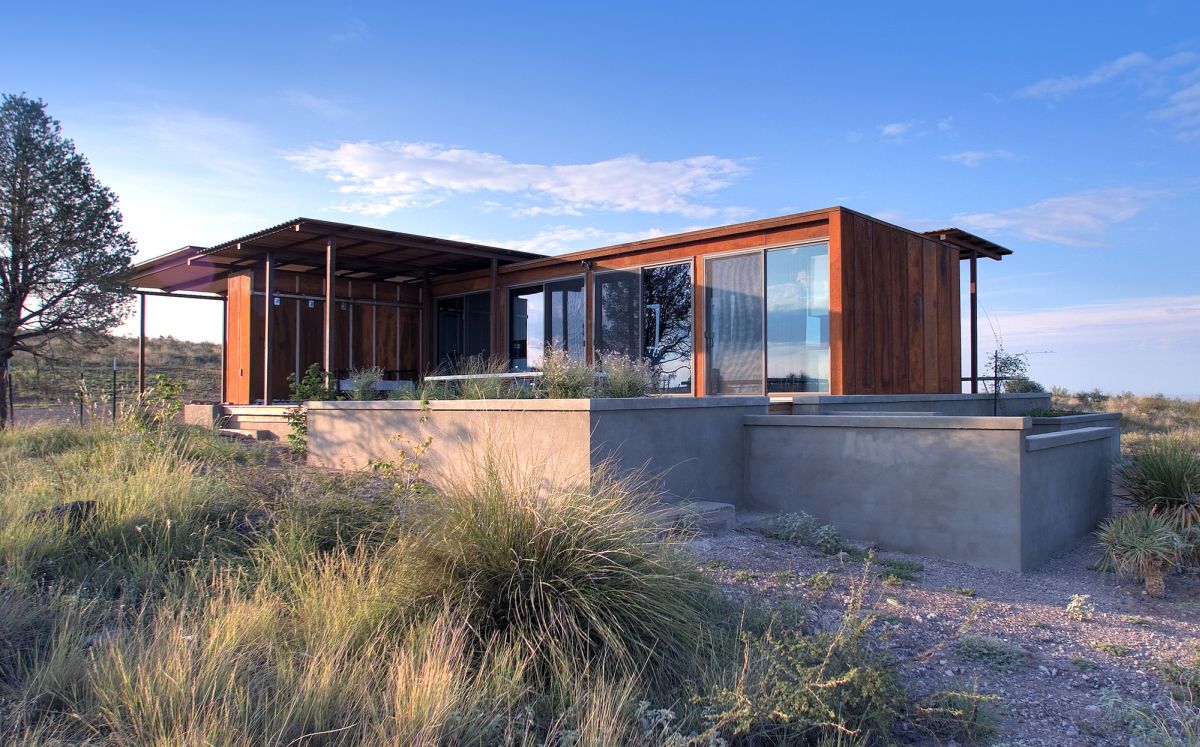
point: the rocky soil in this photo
(1051, 691)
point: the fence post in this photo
(81, 385)
(114, 392)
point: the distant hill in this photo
(55, 376)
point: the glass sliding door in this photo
(463, 328)
(526, 328)
(798, 319)
(667, 325)
(565, 320)
(734, 314)
(618, 321)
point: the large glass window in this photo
(463, 327)
(798, 319)
(526, 328)
(566, 320)
(667, 325)
(618, 317)
(735, 324)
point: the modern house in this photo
(824, 301)
(808, 362)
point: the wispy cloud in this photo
(896, 130)
(1172, 319)
(562, 239)
(1057, 88)
(382, 177)
(322, 107)
(975, 157)
(1075, 220)
(350, 30)
(1182, 112)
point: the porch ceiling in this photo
(299, 246)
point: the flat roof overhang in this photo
(299, 245)
(968, 244)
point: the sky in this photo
(1068, 132)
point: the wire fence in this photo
(95, 393)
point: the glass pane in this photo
(735, 325)
(566, 319)
(617, 320)
(526, 329)
(798, 319)
(449, 330)
(478, 325)
(667, 325)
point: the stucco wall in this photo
(961, 488)
(692, 444)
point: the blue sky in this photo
(1069, 132)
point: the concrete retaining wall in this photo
(981, 490)
(693, 444)
(985, 405)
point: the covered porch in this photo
(310, 291)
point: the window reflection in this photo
(798, 319)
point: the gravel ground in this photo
(1052, 695)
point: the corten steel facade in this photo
(830, 300)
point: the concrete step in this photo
(710, 517)
(247, 434)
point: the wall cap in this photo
(905, 420)
(1066, 438)
(543, 405)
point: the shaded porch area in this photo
(309, 291)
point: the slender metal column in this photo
(494, 315)
(141, 362)
(224, 395)
(269, 287)
(974, 326)
(330, 277)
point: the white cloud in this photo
(1057, 88)
(1146, 344)
(1076, 220)
(896, 130)
(976, 157)
(562, 239)
(1182, 112)
(382, 177)
(946, 124)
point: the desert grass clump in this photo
(363, 383)
(625, 376)
(574, 573)
(1141, 544)
(1164, 479)
(486, 380)
(565, 377)
(968, 716)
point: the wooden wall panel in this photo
(237, 340)
(900, 309)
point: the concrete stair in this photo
(709, 517)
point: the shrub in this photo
(805, 529)
(363, 383)
(564, 377)
(625, 376)
(905, 570)
(960, 715)
(991, 651)
(1164, 478)
(1015, 386)
(1178, 724)
(310, 387)
(486, 381)
(805, 689)
(1143, 545)
(1080, 608)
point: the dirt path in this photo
(1051, 694)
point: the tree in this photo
(63, 255)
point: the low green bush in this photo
(805, 529)
(993, 652)
(625, 376)
(565, 377)
(968, 716)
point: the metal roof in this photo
(299, 245)
(968, 242)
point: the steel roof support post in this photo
(494, 311)
(224, 395)
(141, 355)
(974, 323)
(330, 278)
(269, 288)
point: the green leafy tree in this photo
(63, 254)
